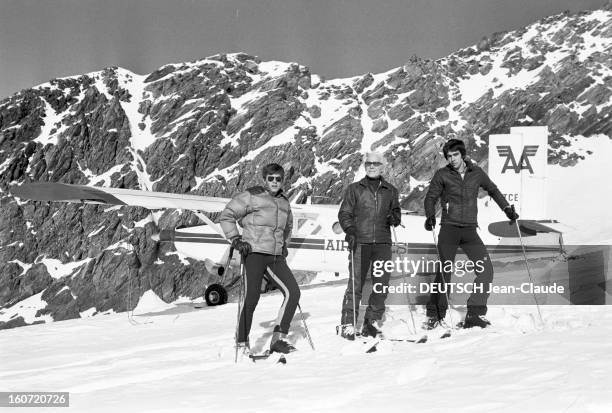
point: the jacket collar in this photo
(383, 183)
(259, 189)
(281, 194)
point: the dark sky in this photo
(44, 39)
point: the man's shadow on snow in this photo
(296, 331)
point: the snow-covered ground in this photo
(182, 360)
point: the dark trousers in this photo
(364, 255)
(281, 276)
(451, 237)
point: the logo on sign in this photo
(523, 162)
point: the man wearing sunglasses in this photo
(369, 207)
(264, 214)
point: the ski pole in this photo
(408, 290)
(353, 280)
(450, 313)
(240, 306)
(228, 261)
(306, 327)
(528, 269)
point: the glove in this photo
(242, 246)
(351, 239)
(285, 251)
(393, 220)
(511, 213)
(430, 223)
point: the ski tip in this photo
(422, 340)
(267, 356)
(370, 346)
(261, 356)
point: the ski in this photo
(360, 345)
(266, 355)
(447, 332)
(366, 344)
(373, 345)
(369, 346)
(418, 340)
(261, 356)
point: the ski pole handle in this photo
(227, 262)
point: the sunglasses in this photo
(368, 164)
(274, 179)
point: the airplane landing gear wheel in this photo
(215, 294)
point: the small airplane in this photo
(317, 242)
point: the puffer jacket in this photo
(367, 211)
(266, 220)
(459, 196)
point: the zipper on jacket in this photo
(376, 209)
(275, 225)
(462, 200)
(462, 196)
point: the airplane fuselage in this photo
(318, 244)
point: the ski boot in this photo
(243, 350)
(431, 323)
(346, 331)
(475, 320)
(280, 344)
(443, 324)
(371, 328)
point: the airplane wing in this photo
(528, 228)
(53, 191)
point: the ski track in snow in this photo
(183, 360)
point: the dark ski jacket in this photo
(366, 211)
(266, 220)
(459, 196)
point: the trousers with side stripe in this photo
(256, 265)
